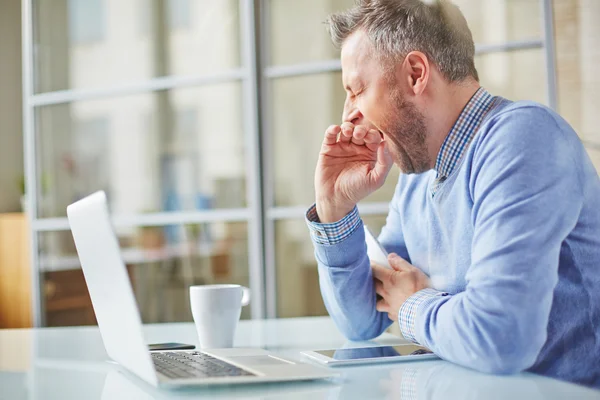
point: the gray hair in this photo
(396, 27)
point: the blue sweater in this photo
(513, 235)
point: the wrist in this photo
(329, 213)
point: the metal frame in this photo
(261, 213)
(316, 67)
(155, 219)
(253, 178)
(319, 67)
(513, 45)
(268, 165)
(155, 84)
(29, 147)
(550, 53)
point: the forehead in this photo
(356, 57)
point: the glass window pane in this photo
(298, 292)
(297, 34)
(500, 21)
(577, 34)
(162, 263)
(303, 108)
(94, 43)
(517, 75)
(163, 151)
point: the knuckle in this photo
(394, 278)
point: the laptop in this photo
(121, 326)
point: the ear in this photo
(418, 68)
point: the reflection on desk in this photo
(122, 385)
(432, 380)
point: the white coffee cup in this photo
(216, 310)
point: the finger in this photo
(331, 134)
(379, 288)
(383, 165)
(358, 135)
(398, 263)
(382, 306)
(347, 130)
(381, 273)
(372, 139)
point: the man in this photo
(494, 227)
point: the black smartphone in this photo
(170, 346)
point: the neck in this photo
(449, 104)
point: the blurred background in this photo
(202, 121)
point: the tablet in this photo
(375, 250)
(370, 355)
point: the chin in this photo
(403, 163)
(407, 164)
(405, 168)
(408, 168)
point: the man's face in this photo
(375, 98)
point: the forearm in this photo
(477, 332)
(347, 288)
(499, 323)
(345, 275)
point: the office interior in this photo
(202, 121)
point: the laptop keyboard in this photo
(178, 365)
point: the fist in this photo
(354, 162)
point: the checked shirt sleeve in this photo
(333, 233)
(408, 312)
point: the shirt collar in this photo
(462, 133)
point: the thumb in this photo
(383, 165)
(395, 261)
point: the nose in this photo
(352, 113)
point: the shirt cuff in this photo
(332, 233)
(407, 317)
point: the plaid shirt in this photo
(450, 155)
(331, 233)
(461, 135)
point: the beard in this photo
(405, 129)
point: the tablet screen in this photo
(375, 352)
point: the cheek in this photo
(372, 109)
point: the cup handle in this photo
(245, 296)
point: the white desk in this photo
(70, 363)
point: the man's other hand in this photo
(396, 285)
